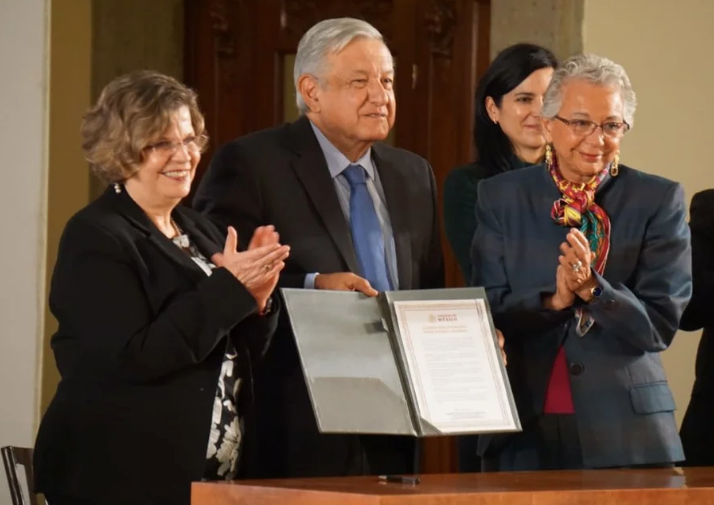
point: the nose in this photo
(597, 137)
(378, 93)
(536, 105)
(181, 153)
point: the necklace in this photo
(180, 239)
(176, 228)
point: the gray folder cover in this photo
(353, 361)
(348, 362)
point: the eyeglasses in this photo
(583, 127)
(168, 149)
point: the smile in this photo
(176, 174)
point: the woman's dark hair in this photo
(510, 68)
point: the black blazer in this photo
(696, 432)
(279, 176)
(141, 340)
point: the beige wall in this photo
(68, 179)
(555, 24)
(23, 144)
(664, 47)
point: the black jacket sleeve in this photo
(99, 301)
(701, 223)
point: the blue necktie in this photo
(366, 231)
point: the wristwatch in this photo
(596, 292)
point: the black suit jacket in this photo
(696, 432)
(141, 341)
(279, 176)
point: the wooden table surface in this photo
(690, 486)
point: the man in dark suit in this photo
(357, 215)
(696, 432)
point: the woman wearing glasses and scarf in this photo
(587, 267)
(161, 319)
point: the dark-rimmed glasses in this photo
(584, 127)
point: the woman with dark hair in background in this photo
(507, 135)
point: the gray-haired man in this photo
(357, 215)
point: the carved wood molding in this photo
(378, 13)
(298, 16)
(224, 19)
(440, 21)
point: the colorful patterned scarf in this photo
(577, 209)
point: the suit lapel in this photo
(136, 216)
(394, 180)
(311, 168)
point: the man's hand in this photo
(501, 343)
(344, 281)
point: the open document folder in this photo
(418, 363)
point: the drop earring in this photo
(117, 188)
(548, 156)
(615, 166)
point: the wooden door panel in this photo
(451, 49)
(297, 16)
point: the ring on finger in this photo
(268, 266)
(577, 266)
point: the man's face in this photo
(355, 94)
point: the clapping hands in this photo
(576, 262)
(574, 276)
(258, 267)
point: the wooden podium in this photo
(688, 486)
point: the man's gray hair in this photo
(327, 37)
(592, 68)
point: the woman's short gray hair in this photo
(327, 37)
(591, 68)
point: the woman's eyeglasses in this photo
(167, 148)
(583, 127)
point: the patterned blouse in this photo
(224, 442)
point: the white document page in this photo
(454, 365)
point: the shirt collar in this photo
(336, 161)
